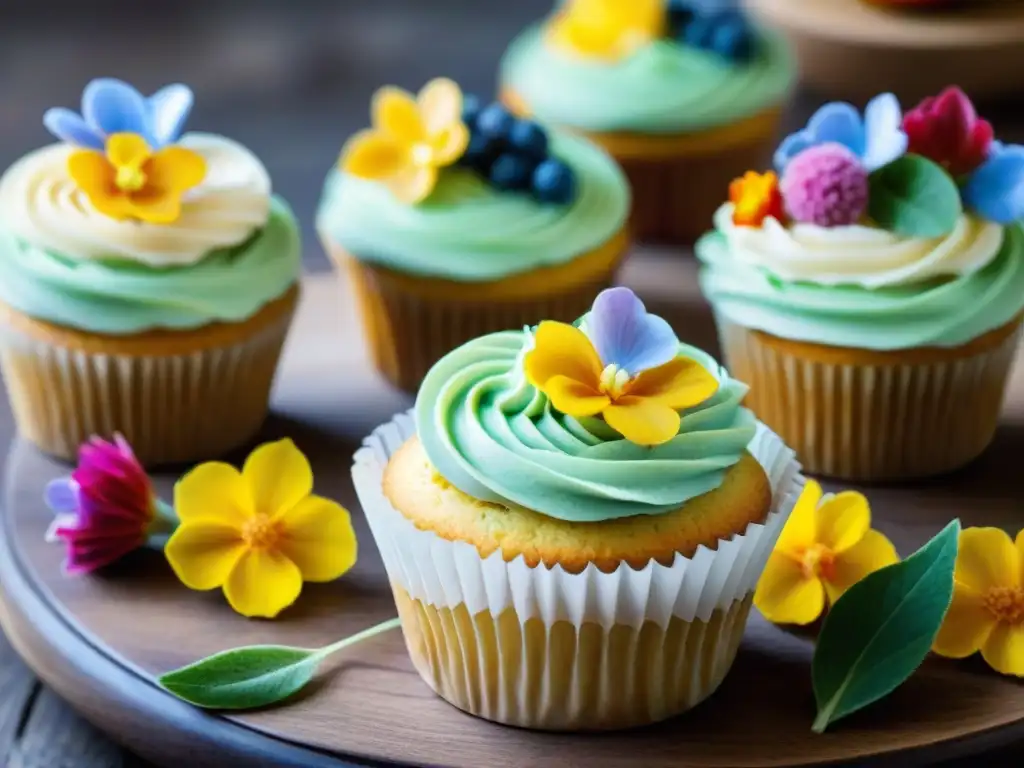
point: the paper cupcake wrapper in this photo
(543, 648)
(871, 421)
(172, 408)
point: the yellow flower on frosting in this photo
(608, 29)
(258, 533)
(827, 546)
(411, 139)
(131, 181)
(987, 611)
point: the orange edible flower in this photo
(755, 197)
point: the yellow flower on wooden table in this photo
(987, 611)
(827, 546)
(130, 181)
(608, 29)
(412, 138)
(258, 533)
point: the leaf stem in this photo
(366, 634)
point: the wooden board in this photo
(100, 641)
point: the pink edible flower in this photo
(825, 185)
(947, 129)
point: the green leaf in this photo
(915, 197)
(882, 628)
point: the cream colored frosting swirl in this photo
(869, 257)
(40, 203)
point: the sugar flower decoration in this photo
(129, 180)
(996, 189)
(825, 185)
(987, 611)
(411, 140)
(111, 106)
(623, 364)
(755, 197)
(106, 508)
(827, 546)
(258, 533)
(947, 130)
(877, 138)
(608, 29)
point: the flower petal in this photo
(1019, 545)
(204, 552)
(560, 349)
(319, 539)
(92, 173)
(884, 138)
(175, 170)
(987, 558)
(872, 552)
(278, 476)
(996, 189)
(374, 155)
(679, 383)
(1003, 650)
(155, 208)
(838, 121)
(61, 495)
(450, 144)
(111, 106)
(574, 398)
(625, 335)
(843, 520)
(801, 530)
(440, 105)
(642, 420)
(395, 113)
(966, 626)
(785, 596)
(262, 584)
(71, 128)
(412, 184)
(127, 149)
(168, 110)
(213, 491)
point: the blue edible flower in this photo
(111, 106)
(996, 188)
(877, 138)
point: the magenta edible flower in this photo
(946, 129)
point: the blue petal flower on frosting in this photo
(625, 336)
(877, 138)
(996, 189)
(112, 106)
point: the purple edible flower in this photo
(626, 336)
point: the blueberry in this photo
(511, 172)
(732, 40)
(529, 138)
(495, 122)
(700, 31)
(480, 153)
(554, 182)
(470, 110)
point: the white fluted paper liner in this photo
(447, 574)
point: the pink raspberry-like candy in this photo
(825, 185)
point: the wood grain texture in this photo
(370, 706)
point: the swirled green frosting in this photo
(495, 437)
(662, 88)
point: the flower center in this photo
(818, 562)
(615, 381)
(422, 154)
(260, 532)
(1006, 604)
(130, 178)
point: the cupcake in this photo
(147, 281)
(685, 95)
(573, 520)
(871, 293)
(453, 219)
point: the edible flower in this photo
(946, 129)
(827, 546)
(987, 611)
(755, 197)
(608, 29)
(258, 533)
(877, 138)
(106, 508)
(111, 106)
(131, 181)
(624, 365)
(996, 189)
(411, 139)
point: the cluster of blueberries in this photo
(725, 31)
(513, 154)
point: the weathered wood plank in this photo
(18, 687)
(53, 736)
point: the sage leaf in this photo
(882, 628)
(913, 196)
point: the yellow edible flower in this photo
(608, 29)
(827, 546)
(260, 532)
(130, 181)
(987, 612)
(411, 139)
